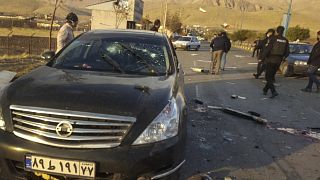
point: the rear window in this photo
(184, 39)
(118, 54)
(300, 48)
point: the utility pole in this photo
(287, 17)
(165, 16)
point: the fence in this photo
(13, 44)
(243, 45)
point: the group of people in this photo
(220, 46)
(272, 50)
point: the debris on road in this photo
(238, 97)
(200, 177)
(200, 109)
(235, 113)
(307, 133)
(254, 113)
(199, 70)
(202, 139)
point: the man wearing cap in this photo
(261, 67)
(65, 34)
(314, 65)
(276, 51)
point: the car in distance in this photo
(187, 43)
(296, 62)
(110, 105)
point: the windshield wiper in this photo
(112, 62)
(150, 66)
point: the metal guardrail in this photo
(243, 45)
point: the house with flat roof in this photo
(116, 14)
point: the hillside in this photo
(258, 14)
(269, 15)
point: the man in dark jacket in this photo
(276, 51)
(226, 50)
(218, 46)
(156, 25)
(314, 65)
(261, 67)
(256, 47)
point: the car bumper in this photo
(180, 46)
(150, 161)
(300, 69)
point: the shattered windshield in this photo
(115, 55)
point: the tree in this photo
(298, 33)
(174, 23)
(56, 6)
(243, 35)
(121, 9)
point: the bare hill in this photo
(258, 15)
(266, 14)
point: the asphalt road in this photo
(221, 145)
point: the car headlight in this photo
(2, 123)
(300, 63)
(164, 126)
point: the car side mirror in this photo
(48, 55)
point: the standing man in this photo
(261, 67)
(314, 65)
(276, 51)
(65, 34)
(226, 50)
(218, 47)
(256, 45)
(156, 25)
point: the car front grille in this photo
(69, 129)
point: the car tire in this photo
(188, 48)
(198, 47)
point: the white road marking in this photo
(204, 61)
(194, 54)
(197, 92)
(231, 67)
(252, 63)
(241, 56)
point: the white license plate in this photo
(60, 166)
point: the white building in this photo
(104, 15)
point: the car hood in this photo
(106, 93)
(298, 57)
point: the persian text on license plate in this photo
(60, 166)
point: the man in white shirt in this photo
(65, 34)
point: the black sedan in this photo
(296, 62)
(110, 105)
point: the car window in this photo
(132, 56)
(300, 48)
(184, 39)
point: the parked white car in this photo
(187, 43)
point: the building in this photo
(105, 15)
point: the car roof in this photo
(125, 33)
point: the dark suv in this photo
(110, 105)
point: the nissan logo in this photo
(64, 129)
